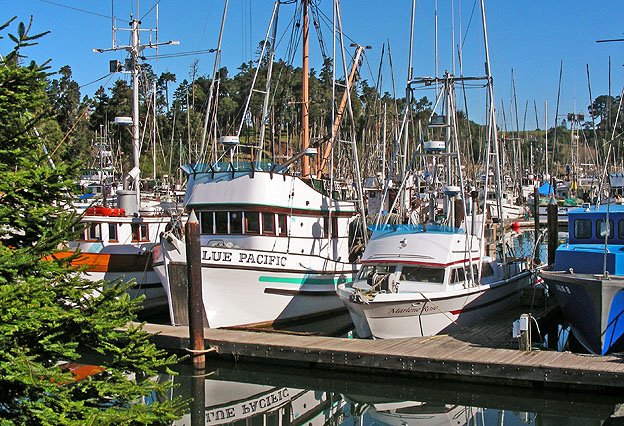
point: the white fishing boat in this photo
(422, 280)
(273, 248)
(435, 277)
(275, 242)
(117, 241)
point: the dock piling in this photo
(553, 230)
(195, 298)
(536, 221)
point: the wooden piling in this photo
(553, 230)
(195, 298)
(458, 211)
(198, 406)
(525, 332)
(536, 221)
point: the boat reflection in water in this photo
(238, 403)
(258, 394)
(413, 413)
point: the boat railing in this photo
(417, 228)
(235, 167)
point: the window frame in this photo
(114, 235)
(218, 224)
(282, 225)
(203, 223)
(585, 222)
(92, 226)
(264, 216)
(236, 219)
(138, 236)
(611, 229)
(246, 229)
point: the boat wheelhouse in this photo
(274, 246)
(587, 278)
(422, 280)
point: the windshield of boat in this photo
(423, 274)
(367, 271)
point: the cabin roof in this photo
(596, 211)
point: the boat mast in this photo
(493, 131)
(135, 173)
(211, 91)
(305, 112)
(408, 100)
(135, 50)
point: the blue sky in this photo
(530, 37)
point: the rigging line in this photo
(474, 6)
(327, 23)
(176, 55)
(76, 9)
(150, 9)
(317, 26)
(110, 75)
(279, 40)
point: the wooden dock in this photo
(486, 354)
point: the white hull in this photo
(147, 284)
(510, 211)
(426, 280)
(285, 287)
(273, 250)
(394, 315)
(110, 251)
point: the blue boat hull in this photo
(594, 307)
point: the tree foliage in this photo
(48, 314)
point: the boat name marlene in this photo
(414, 308)
(244, 257)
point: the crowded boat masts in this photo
(397, 227)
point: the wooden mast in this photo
(305, 104)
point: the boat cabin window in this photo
(206, 222)
(602, 228)
(252, 223)
(282, 225)
(368, 271)
(422, 274)
(239, 222)
(93, 232)
(221, 222)
(139, 232)
(486, 270)
(458, 275)
(582, 228)
(112, 232)
(236, 222)
(268, 223)
(621, 229)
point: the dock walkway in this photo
(485, 354)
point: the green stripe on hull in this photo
(304, 280)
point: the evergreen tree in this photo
(48, 314)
